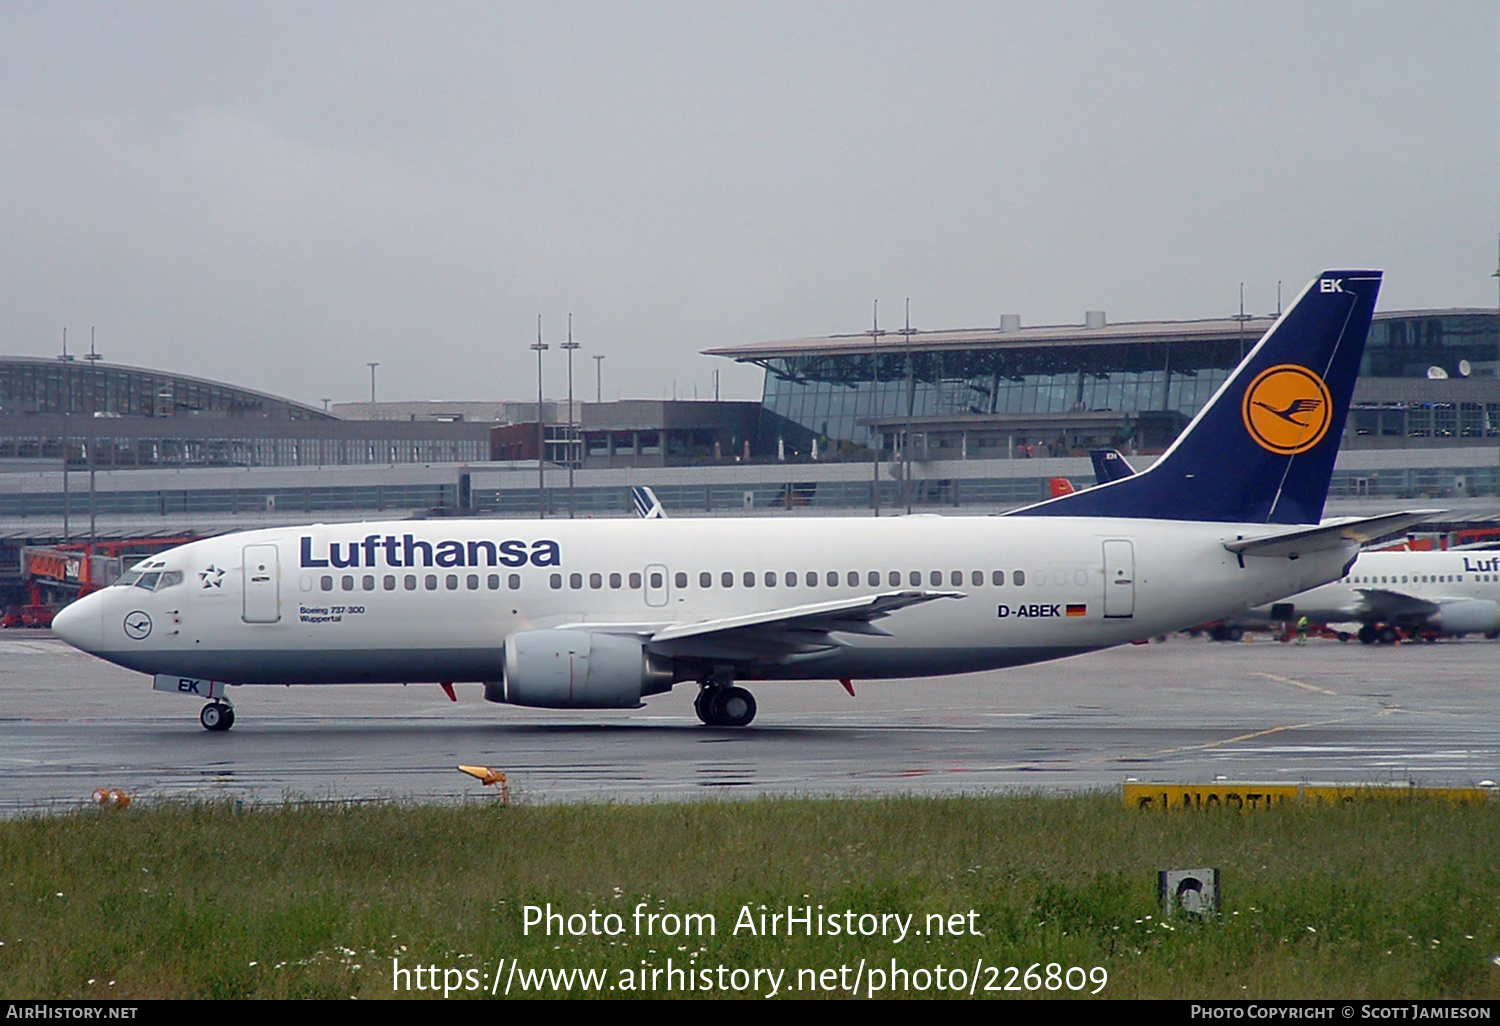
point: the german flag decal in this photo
(1078, 609)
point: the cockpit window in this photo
(154, 580)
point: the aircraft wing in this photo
(1328, 535)
(789, 631)
(1384, 604)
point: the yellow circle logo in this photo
(1287, 409)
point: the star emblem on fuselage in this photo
(213, 577)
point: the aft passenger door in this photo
(262, 584)
(1119, 579)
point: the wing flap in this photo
(850, 616)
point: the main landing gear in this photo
(724, 705)
(217, 716)
(1369, 634)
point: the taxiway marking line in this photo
(1296, 683)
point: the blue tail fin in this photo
(1262, 450)
(1110, 465)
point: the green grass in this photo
(1384, 900)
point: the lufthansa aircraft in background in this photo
(1424, 593)
(599, 613)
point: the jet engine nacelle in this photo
(563, 669)
(1467, 616)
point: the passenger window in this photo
(832, 579)
(749, 578)
(956, 578)
(895, 578)
(935, 578)
(997, 578)
(916, 578)
(473, 582)
(596, 581)
(680, 579)
(812, 578)
(874, 578)
(390, 582)
(635, 582)
(411, 582)
(770, 578)
(615, 581)
(1019, 576)
(977, 578)
(853, 578)
(657, 580)
(453, 582)
(556, 581)
(513, 582)
(705, 579)
(348, 582)
(326, 583)
(369, 582)
(431, 582)
(726, 579)
(575, 581)
(493, 581)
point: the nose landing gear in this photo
(217, 716)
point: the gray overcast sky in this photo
(273, 194)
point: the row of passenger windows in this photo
(812, 578)
(1418, 579)
(726, 579)
(430, 581)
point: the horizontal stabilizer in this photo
(1331, 535)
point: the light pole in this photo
(876, 435)
(541, 436)
(911, 401)
(570, 345)
(372, 367)
(598, 379)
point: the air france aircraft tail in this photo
(1262, 450)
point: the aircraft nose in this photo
(81, 623)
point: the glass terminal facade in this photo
(1050, 391)
(109, 416)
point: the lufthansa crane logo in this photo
(1287, 409)
(137, 626)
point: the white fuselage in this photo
(435, 600)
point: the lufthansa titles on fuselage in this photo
(409, 551)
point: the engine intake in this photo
(561, 669)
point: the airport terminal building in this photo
(1429, 379)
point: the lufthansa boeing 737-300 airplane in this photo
(599, 613)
